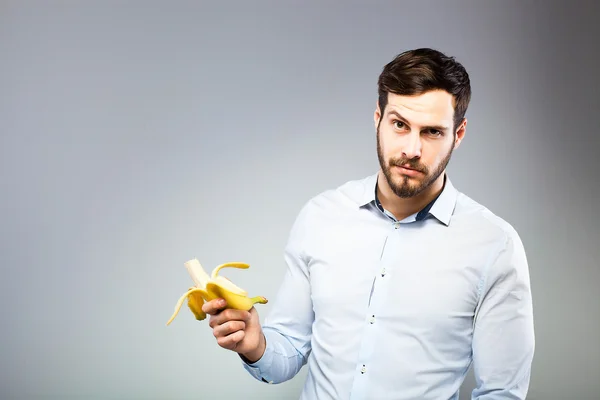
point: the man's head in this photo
(420, 118)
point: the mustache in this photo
(410, 163)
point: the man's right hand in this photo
(236, 330)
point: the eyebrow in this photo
(401, 118)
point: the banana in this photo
(214, 286)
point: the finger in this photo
(228, 328)
(214, 306)
(230, 342)
(228, 315)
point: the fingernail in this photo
(222, 303)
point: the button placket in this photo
(372, 321)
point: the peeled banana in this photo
(212, 287)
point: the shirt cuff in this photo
(260, 368)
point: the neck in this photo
(403, 207)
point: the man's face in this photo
(415, 140)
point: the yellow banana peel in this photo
(212, 287)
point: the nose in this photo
(412, 146)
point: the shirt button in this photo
(383, 272)
(372, 319)
(363, 369)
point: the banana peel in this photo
(214, 286)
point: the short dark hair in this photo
(418, 71)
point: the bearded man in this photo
(397, 283)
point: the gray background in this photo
(137, 135)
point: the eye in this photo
(398, 124)
(435, 132)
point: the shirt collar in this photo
(441, 207)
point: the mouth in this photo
(403, 169)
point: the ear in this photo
(376, 115)
(460, 133)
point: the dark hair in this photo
(421, 70)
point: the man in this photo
(397, 282)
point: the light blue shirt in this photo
(386, 309)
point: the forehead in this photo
(426, 108)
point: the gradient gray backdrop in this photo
(137, 135)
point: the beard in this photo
(402, 186)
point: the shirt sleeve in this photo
(503, 338)
(288, 326)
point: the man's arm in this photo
(288, 327)
(503, 339)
